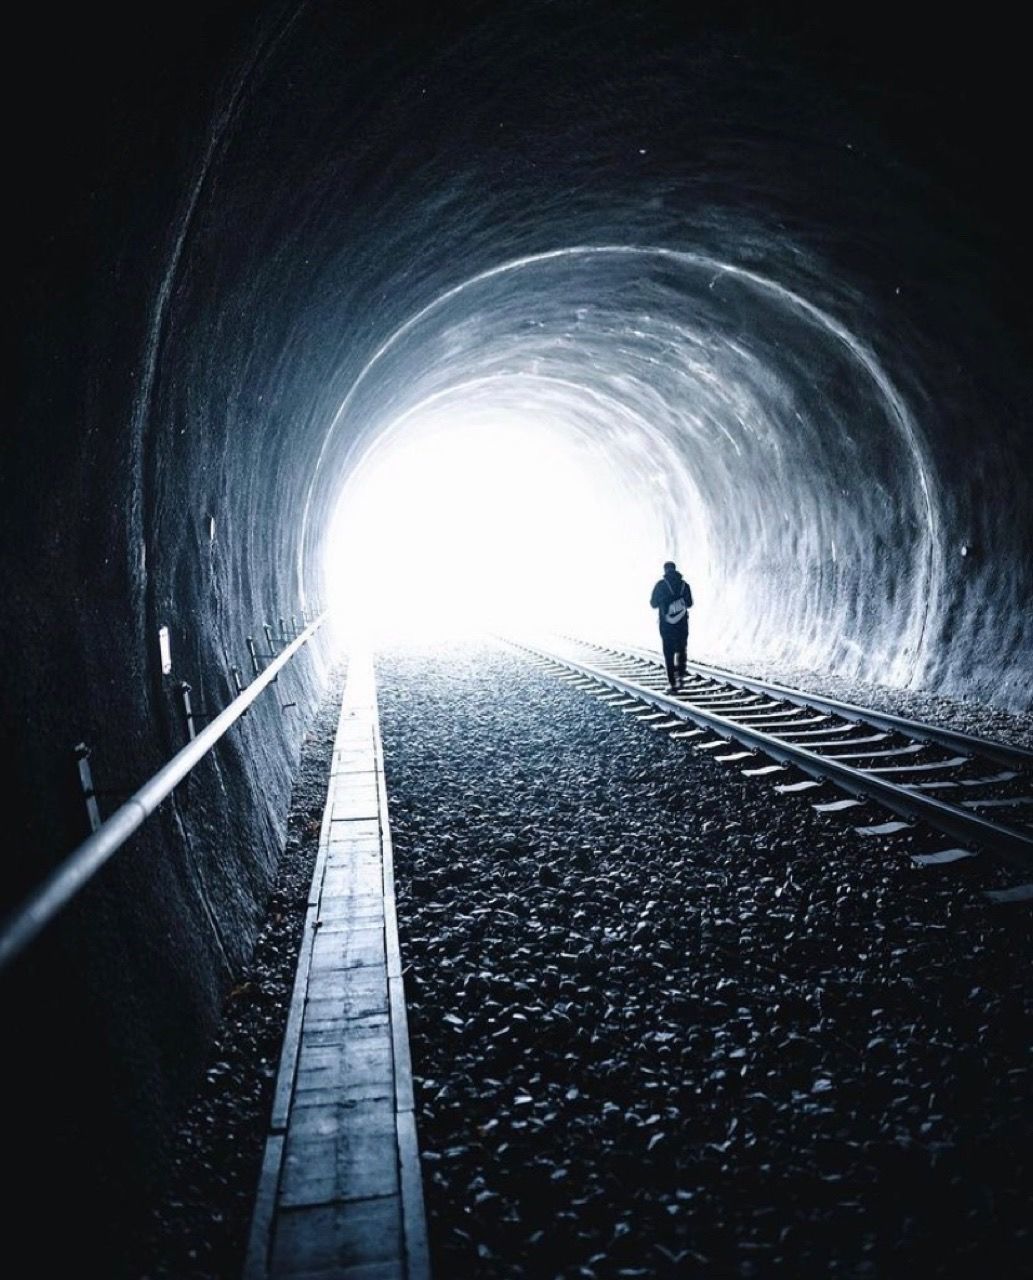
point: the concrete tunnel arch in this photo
(774, 265)
(663, 428)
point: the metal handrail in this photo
(65, 881)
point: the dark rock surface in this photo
(198, 1230)
(667, 1024)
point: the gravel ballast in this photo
(667, 1023)
(199, 1230)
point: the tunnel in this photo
(463, 316)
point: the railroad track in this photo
(977, 791)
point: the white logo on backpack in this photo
(677, 609)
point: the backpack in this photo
(676, 608)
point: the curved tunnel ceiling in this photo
(731, 404)
(689, 248)
(753, 261)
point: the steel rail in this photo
(1012, 846)
(66, 880)
(998, 752)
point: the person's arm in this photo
(654, 599)
(688, 596)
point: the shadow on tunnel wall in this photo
(228, 210)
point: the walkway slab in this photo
(340, 1193)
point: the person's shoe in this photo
(672, 688)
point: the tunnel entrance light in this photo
(454, 526)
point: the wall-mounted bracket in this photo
(82, 760)
(238, 685)
(191, 717)
(183, 690)
(257, 657)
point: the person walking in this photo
(673, 598)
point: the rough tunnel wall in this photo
(811, 374)
(781, 447)
(115, 463)
(794, 329)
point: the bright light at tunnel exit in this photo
(449, 528)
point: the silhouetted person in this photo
(672, 597)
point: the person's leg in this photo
(669, 645)
(681, 654)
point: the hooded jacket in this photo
(672, 586)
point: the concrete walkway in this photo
(340, 1193)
